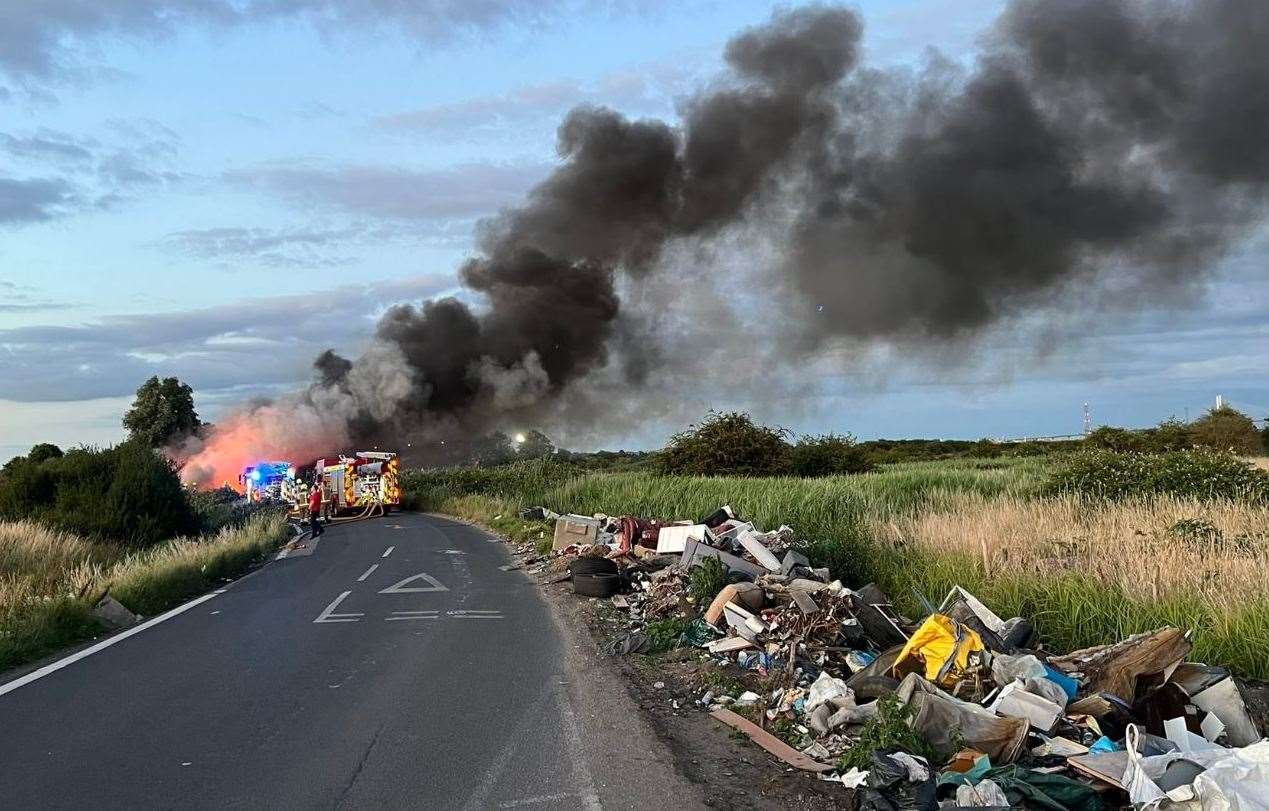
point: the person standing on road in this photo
(315, 510)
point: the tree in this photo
(1227, 429)
(495, 449)
(829, 455)
(162, 412)
(536, 445)
(43, 452)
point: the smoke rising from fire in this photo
(1117, 143)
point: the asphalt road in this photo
(396, 666)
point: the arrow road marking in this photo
(328, 614)
(400, 587)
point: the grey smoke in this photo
(1111, 143)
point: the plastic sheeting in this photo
(1232, 780)
(943, 646)
(948, 723)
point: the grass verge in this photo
(1085, 572)
(50, 580)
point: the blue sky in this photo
(193, 190)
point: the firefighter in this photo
(315, 509)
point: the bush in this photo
(223, 507)
(707, 580)
(1169, 435)
(1109, 438)
(1197, 473)
(828, 455)
(1227, 429)
(127, 495)
(729, 444)
(526, 481)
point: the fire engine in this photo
(269, 481)
(359, 482)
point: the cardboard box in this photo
(574, 529)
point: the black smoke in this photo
(1092, 142)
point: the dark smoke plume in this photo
(1115, 142)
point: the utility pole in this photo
(1088, 420)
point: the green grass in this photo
(46, 607)
(835, 515)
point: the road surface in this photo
(394, 666)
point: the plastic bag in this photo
(889, 788)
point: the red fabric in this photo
(315, 500)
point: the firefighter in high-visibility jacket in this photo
(315, 510)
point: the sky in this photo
(220, 190)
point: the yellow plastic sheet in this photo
(943, 646)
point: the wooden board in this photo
(771, 743)
(1108, 767)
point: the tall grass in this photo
(1086, 572)
(49, 580)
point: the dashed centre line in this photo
(367, 573)
(388, 551)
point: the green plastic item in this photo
(697, 634)
(1040, 790)
(969, 778)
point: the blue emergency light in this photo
(255, 475)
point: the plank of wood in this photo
(771, 743)
(1108, 767)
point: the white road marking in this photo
(538, 800)
(413, 615)
(388, 551)
(328, 614)
(368, 572)
(475, 615)
(453, 552)
(400, 586)
(105, 643)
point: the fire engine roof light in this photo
(255, 475)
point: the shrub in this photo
(707, 580)
(221, 508)
(127, 494)
(664, 634)
(1109, 438)
(887, 731)
(1197, 473)
(1227, 429)
(1169, 435)
(729, 444)
(828, 455)
(525, 481)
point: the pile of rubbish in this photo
(957, 709)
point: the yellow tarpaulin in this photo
(943, 646)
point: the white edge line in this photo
(369, 572)
(388, 551)
(103, 644)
